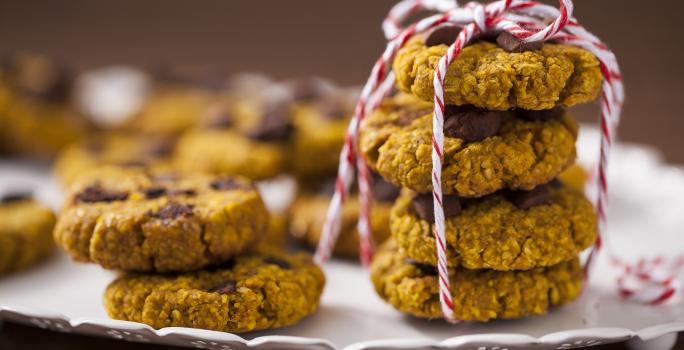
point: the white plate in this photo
(645, 219)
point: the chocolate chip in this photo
(424, 268)
(225, 184)
(510, 43)
(423, 206)
(444, 35)
(275, 124)
(471, 124)
(173, 210)
(555, 183)
(528, 199)
(15, 197)
(407, 116)
(226, 287)
(544, 114)
(183, 192)
(384, 191)
(278, 262)
(95, 193)
(155, 192)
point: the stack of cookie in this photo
(513, 231)
(187, 243)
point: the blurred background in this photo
(339, 40)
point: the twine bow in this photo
(528, 21)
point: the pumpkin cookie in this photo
(36, 114)
(508, 230)
(121, 149)
(252, 292)
(487, 76)
(478, 295)
(25, 232)
(484, 151)
(131, 219)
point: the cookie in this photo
(319, 130)
(502, 231)
(575, 176)
(526, 149)
(36, 114)
(117, 148)
(252, 292)
(478, 295)
(487, 76)
(25, 232)
(131, 219)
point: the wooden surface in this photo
(339, 39)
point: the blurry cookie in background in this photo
(310, 207)
(575, 177)
(36, 112)
(25, 231)
(114, 148)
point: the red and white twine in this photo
(529, 21)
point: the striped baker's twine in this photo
(524, 19)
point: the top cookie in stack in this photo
(507, 138)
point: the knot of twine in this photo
(528, 21)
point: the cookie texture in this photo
(308, 216)
(131, 219)
(487, 76)
(396, 141)
(492, 233)
(478, 295)
(252, 292)
(25, 233)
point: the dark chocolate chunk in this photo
(95, 193)
(384, 191)
(226, 287)
(226, 184)
(510, 43)
(155, 192)
(471, 124)
(407, 116)
(15, 197)
(528, 199)
(555, 183)
(183, 192)
(173, 210)
(544, 114)
(424, 268)
(444, 35)
(423, 206)
(275, 124)
(278, 262)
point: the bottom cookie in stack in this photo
(478, 295)
(255, 291)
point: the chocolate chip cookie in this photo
(25, 231)
(484, 151)
(478, 295)
(508, 230)
(251, 292)
(132, 219)
(36, 114)
(486, 75)
(116, 148)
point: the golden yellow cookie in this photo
(252, 292)
(122, 149)
(478, 295)
(396, 141)
(493, 233)
(131, 219)
(487, 76)
(25, 232)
